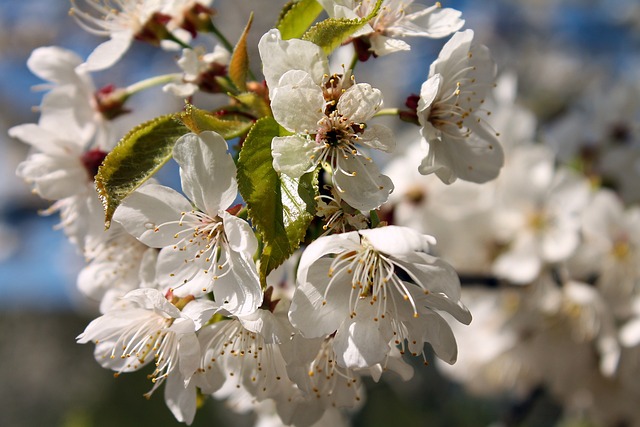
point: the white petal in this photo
(153, 300)
(630, 333)
(313, 314)
(453, 55)
(109, 52)
(298, 102)
(189, 351)
(207, 171)
(521, 264)
(182, 268)
(181, 90)
(428, 92)
(180, 400)
(472, 159)
(361, 342)
(360, 182)
(360, 102)
(397, 240)
(54, 177)
(436, 24)
(326, 245)
(432, 328)
(383, 45)
(279, 56)
(238, 291)
(45, 140)
(379, 137)
(200, 311)
(240, 236)
(146, 210)
(292, 155)
(54, 64)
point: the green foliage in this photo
(296, 17)
(254, 104)
(229, 127)
(332, 32)
(239, 65)
(136, 158)
(281, 208)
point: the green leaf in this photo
(332, 32)
(254, 104)
(296, 17)
(199, 121)
(136, 158)
(239, 64)
(281, 208)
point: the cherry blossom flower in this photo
(200, 70)
(610, 250)
(327, 115)
(374, 289)
(147, 327)
(396, 19)
(204, 248)
(61, 168)
(459, 141)
(537, 217)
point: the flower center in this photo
(372, 277)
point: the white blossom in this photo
(537, 217)
(204, 248)
(149, 328)
(460, 144)
(327, 115)
(375, 289)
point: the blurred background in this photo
(557, 48)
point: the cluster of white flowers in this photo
(560, 250)
(180, 276)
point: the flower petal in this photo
(361, 342)
(378, 137)
(312, 312)
(292, 155)
(279, 56)
(360, 182)
(360, 102)
(109, 52)
(238, 291)
(397, 240)
(180, 400)
(298, 102)
(240, 236)
(325, 245)
(207, 171)
(151, 214)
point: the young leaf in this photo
(296, 18)
(332, 32)
(254, 103)
(136, 158)
(239, 65)
(280, 207)
(199, 121)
